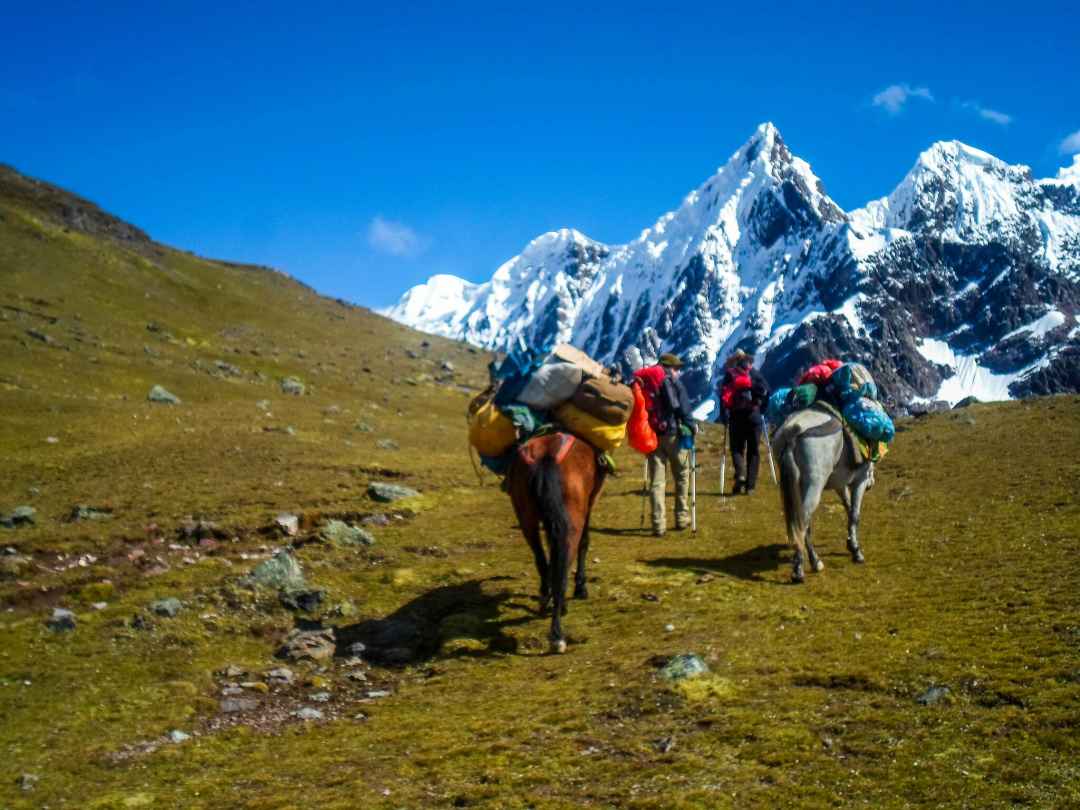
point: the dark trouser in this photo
(745, 437)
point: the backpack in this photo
(652, 381)
(737, 392)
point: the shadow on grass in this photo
(748, 565)
(417, 630)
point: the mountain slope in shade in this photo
(964, 280)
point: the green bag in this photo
(802, 396)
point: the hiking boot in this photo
(657, 532)
(681, 527)
(739, 488)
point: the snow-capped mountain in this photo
(964, 280)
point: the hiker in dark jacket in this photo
(669, 415)
(743, 397)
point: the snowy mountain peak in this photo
(965, 279)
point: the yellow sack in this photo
(490, 431)
(599, 434)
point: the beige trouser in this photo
(679, 459)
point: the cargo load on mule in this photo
(546, 390)
(848, 391)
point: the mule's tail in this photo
(547, 490)
(790, 483)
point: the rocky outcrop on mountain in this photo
(964, 281)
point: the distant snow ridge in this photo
(965, 280)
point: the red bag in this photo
(731, 394)
(819, 374)
(650, 380)
(833, 364)
(638, 430)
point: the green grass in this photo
(971, 539)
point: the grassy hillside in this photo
(971, 538)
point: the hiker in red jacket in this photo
(743, 396)
(668, 406)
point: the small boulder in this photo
(235, 705)
(680, 667)
(169, 608)
(288, 523)
(282, 676)
(448, 366)
(263, 405)
(27, 781)
(387, 444)
(82, 512)
(23, 516)
(178, 736)
(281, 571)
(387, 493)
(61, 621)
(340, 533)
(161, 396)
(308, 713)
(293, 386)
(933, 695)
(308, 645)
(14, 565)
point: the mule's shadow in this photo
(748, 565)
(417, 630)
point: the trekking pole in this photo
(693, 489)
(723, 460)
(768, 447)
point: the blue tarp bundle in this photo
(869, 420)
(851, 381)
(777, 411)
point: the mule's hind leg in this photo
(816, 564)
(809, 499)
(791, 490)
(852, 498)
(581, 590)
(531, 530)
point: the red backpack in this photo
(652, 377)
(735, 394)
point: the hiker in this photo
(743, 396)
(668, 406)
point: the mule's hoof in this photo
(797, 577)
(858, 558)
(558, 647)
(819, 566)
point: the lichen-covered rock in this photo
(684, 666)
(61, 621)
(387, 493)
(281, 571)
(169, 607)
(161, 396)
(308, 645)
(341, 533)
(293, 386)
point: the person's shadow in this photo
(748, 565)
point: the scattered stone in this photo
(331, 410)
(41, 336)
(363, 427)
(160, 395)
(227, 369)
(255, 686)
(293, 386)
(231, 691)
(83, 512)
(933, 695)
(61, 620)
(14, 565)
(320, 697)
(232, 671)
(669, 628)
(282, 676)
(235, 705)
(308, 601)
(308, 713)
(192, 529)
(308, 645)
(281, 571)
(27, 781)
(23, 516)
(178, 736)
(378, 519)
(387, 493)
(51, 440)
(290, 524)
(387, 444)
(412, 355)
(375, 694)
(168, 608)
(448, 366)
(684, 666)
(664, 745)
(340, 533)
(263, 405)
(99, 605)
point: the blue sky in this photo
(363, 149)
